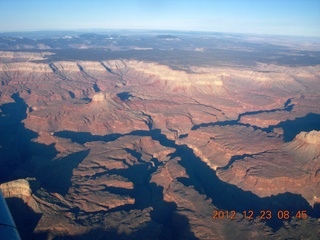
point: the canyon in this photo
(129, 147)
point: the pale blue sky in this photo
(284, 17)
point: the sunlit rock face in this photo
(17, 188)
(312, 137)
(99, 97)
(121, 149)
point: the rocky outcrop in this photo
(312, 137)
(18, 188)
(99, 97)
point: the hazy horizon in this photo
(285, 18)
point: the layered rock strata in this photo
(120, 148)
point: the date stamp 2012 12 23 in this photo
(263, 214)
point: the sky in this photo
(273, 17)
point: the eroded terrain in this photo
(120, 149)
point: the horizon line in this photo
(91, 30)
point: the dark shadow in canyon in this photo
(138, 175)
(293, 127)
(14, 137)
(84, 137)
(25, 218)
(124, 96)
(56, 174)
(222, 123)
(287, 107)
(239, 157)
(15, 150)
(96, 88)
(20, 155)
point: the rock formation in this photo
(18, 188)
(127, 148)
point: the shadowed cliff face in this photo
(25, 218)
(127, 149)
(56, 174)
(291, 128)
(14, 139)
